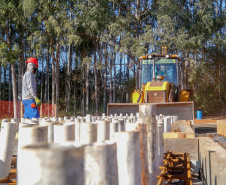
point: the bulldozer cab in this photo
(159, 79)
(168, 68)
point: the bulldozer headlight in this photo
(150, 56)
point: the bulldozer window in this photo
(168, 70)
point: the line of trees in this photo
(84, 48)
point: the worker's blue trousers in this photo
(30, 112)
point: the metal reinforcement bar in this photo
(176, 166)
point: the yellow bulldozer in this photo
(160, 79)
(161, 83)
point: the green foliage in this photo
(207, 79)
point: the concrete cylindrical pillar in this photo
(32, 134)
(51, 164)
(16, 120)
(110, 119)
(4, 121)
(88, 118)
(101, 164)
(77, 130)
(66, 118)
(29, 135)
(160, 148)
(147, 115)
(88, 132)
(32, 122)
(113, 128)
(41, 121)
(175, 118)
(55, 119)
(35, 119)
(121, 125)
(72, 118)
(7, 141)
(28, 123)
(50, 125)
(93, 119)
(103, 130)
(128, 156)
(167, 124)
(64, 132)
(130, 126)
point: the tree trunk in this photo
(114, 82)
(20, 78)
(12, 72)
(137, 77)
(47, 77)
(57, 75)
(20, 73)
(53, 82)
(10, 83)
(14, 90)
(87, 87)
(69, 78)
(105, 81)
(120, 78)
(96, 84)
(41, 96)
(110, 94)
(127, 76)
(75, 84)
(74, 96)
(83, 91)
(4, 85)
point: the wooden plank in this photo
(170, 135)
(221, 127)
(174, 135)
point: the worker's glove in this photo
(37, 101)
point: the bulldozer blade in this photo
(184, 110)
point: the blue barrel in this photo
(199, 114)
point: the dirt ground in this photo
(205, 121)
(210, 119)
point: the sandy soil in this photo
(205, 121)
(210, 119)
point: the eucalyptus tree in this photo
(129, 33)
(93, 18)
(55, 29)
(10, 19)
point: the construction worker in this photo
(29, 97)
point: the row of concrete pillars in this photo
(87, 150)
